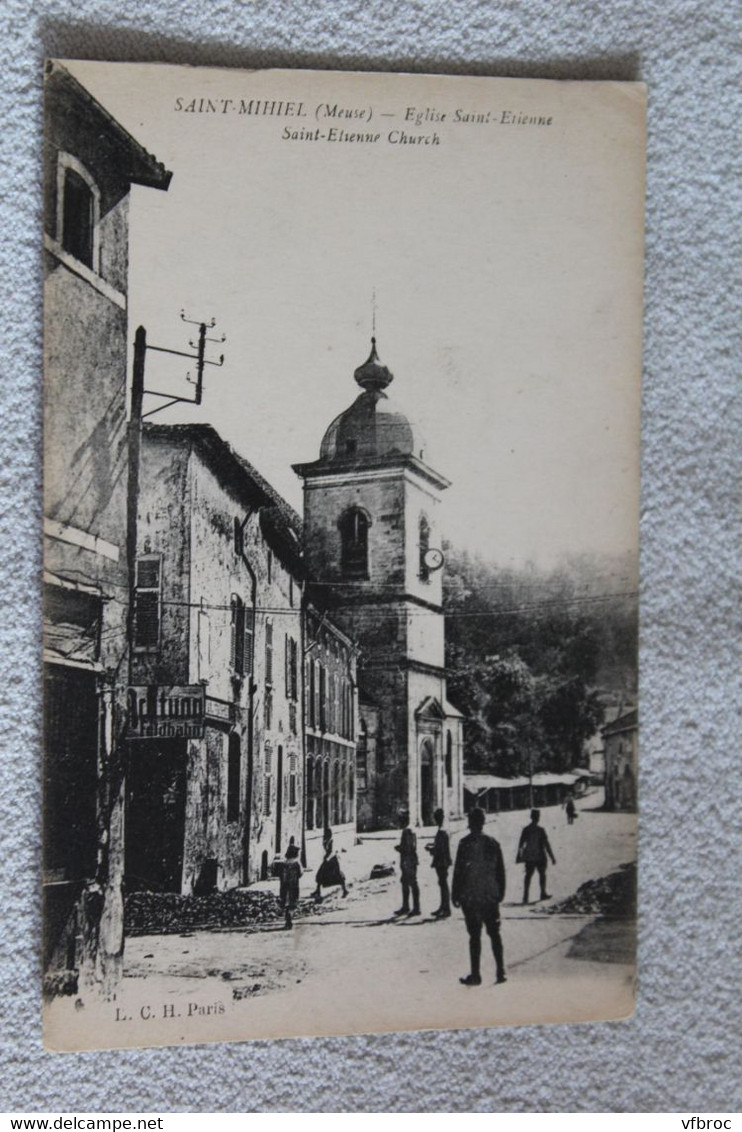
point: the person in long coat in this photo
(478, 887)
(290, 877)
(329, 873)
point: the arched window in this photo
(424, 546)
(354, 543)
(449, 759)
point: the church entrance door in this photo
(427, 781)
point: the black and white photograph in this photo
(341, 529)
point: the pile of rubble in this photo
(613, 896)
(154, 913)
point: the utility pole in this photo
(132, 502)
(137, 415)
(530, 775)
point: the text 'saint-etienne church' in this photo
(371, 536)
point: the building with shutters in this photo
(90, 164)
(330, 714)
(219, 604)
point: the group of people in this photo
(328, 875)
(478, 885)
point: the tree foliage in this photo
(533, 657)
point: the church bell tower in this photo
(372, 549)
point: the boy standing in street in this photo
(441, 862)
(407, 850)
(478, 887)
(532, 850)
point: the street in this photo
(352, 966)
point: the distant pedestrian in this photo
(478, 888)
(440, 851)
(533, 848)
(329, 874)
(569, 809)
(290, 877)
(407, 850)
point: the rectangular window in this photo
(292, 689)
(310, 693)
(267, 781)
(238, 635)
(78, 218)
(322, 698)
(234, 768)
(239, 537)
(309, 785)
(292, 780)
(249, 638)
(316, 688)
(269, 652)
(268, 710)
(362, 761)
(147, 603)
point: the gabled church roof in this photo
(430, 708)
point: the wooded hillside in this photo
(535, 657)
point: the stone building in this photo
(220, 605)
(371, 538)
(90, 163)
(621, 750)
(330, 712)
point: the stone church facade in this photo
(371, 543)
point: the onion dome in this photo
(372, 426)
(372, 374)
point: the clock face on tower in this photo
(433, 559)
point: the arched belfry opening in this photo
(353, 526)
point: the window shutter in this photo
(147, 604)
(249, 638)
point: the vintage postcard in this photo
(341, 400)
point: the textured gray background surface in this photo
(681, 1050)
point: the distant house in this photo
(620, 740)
(90, 164)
